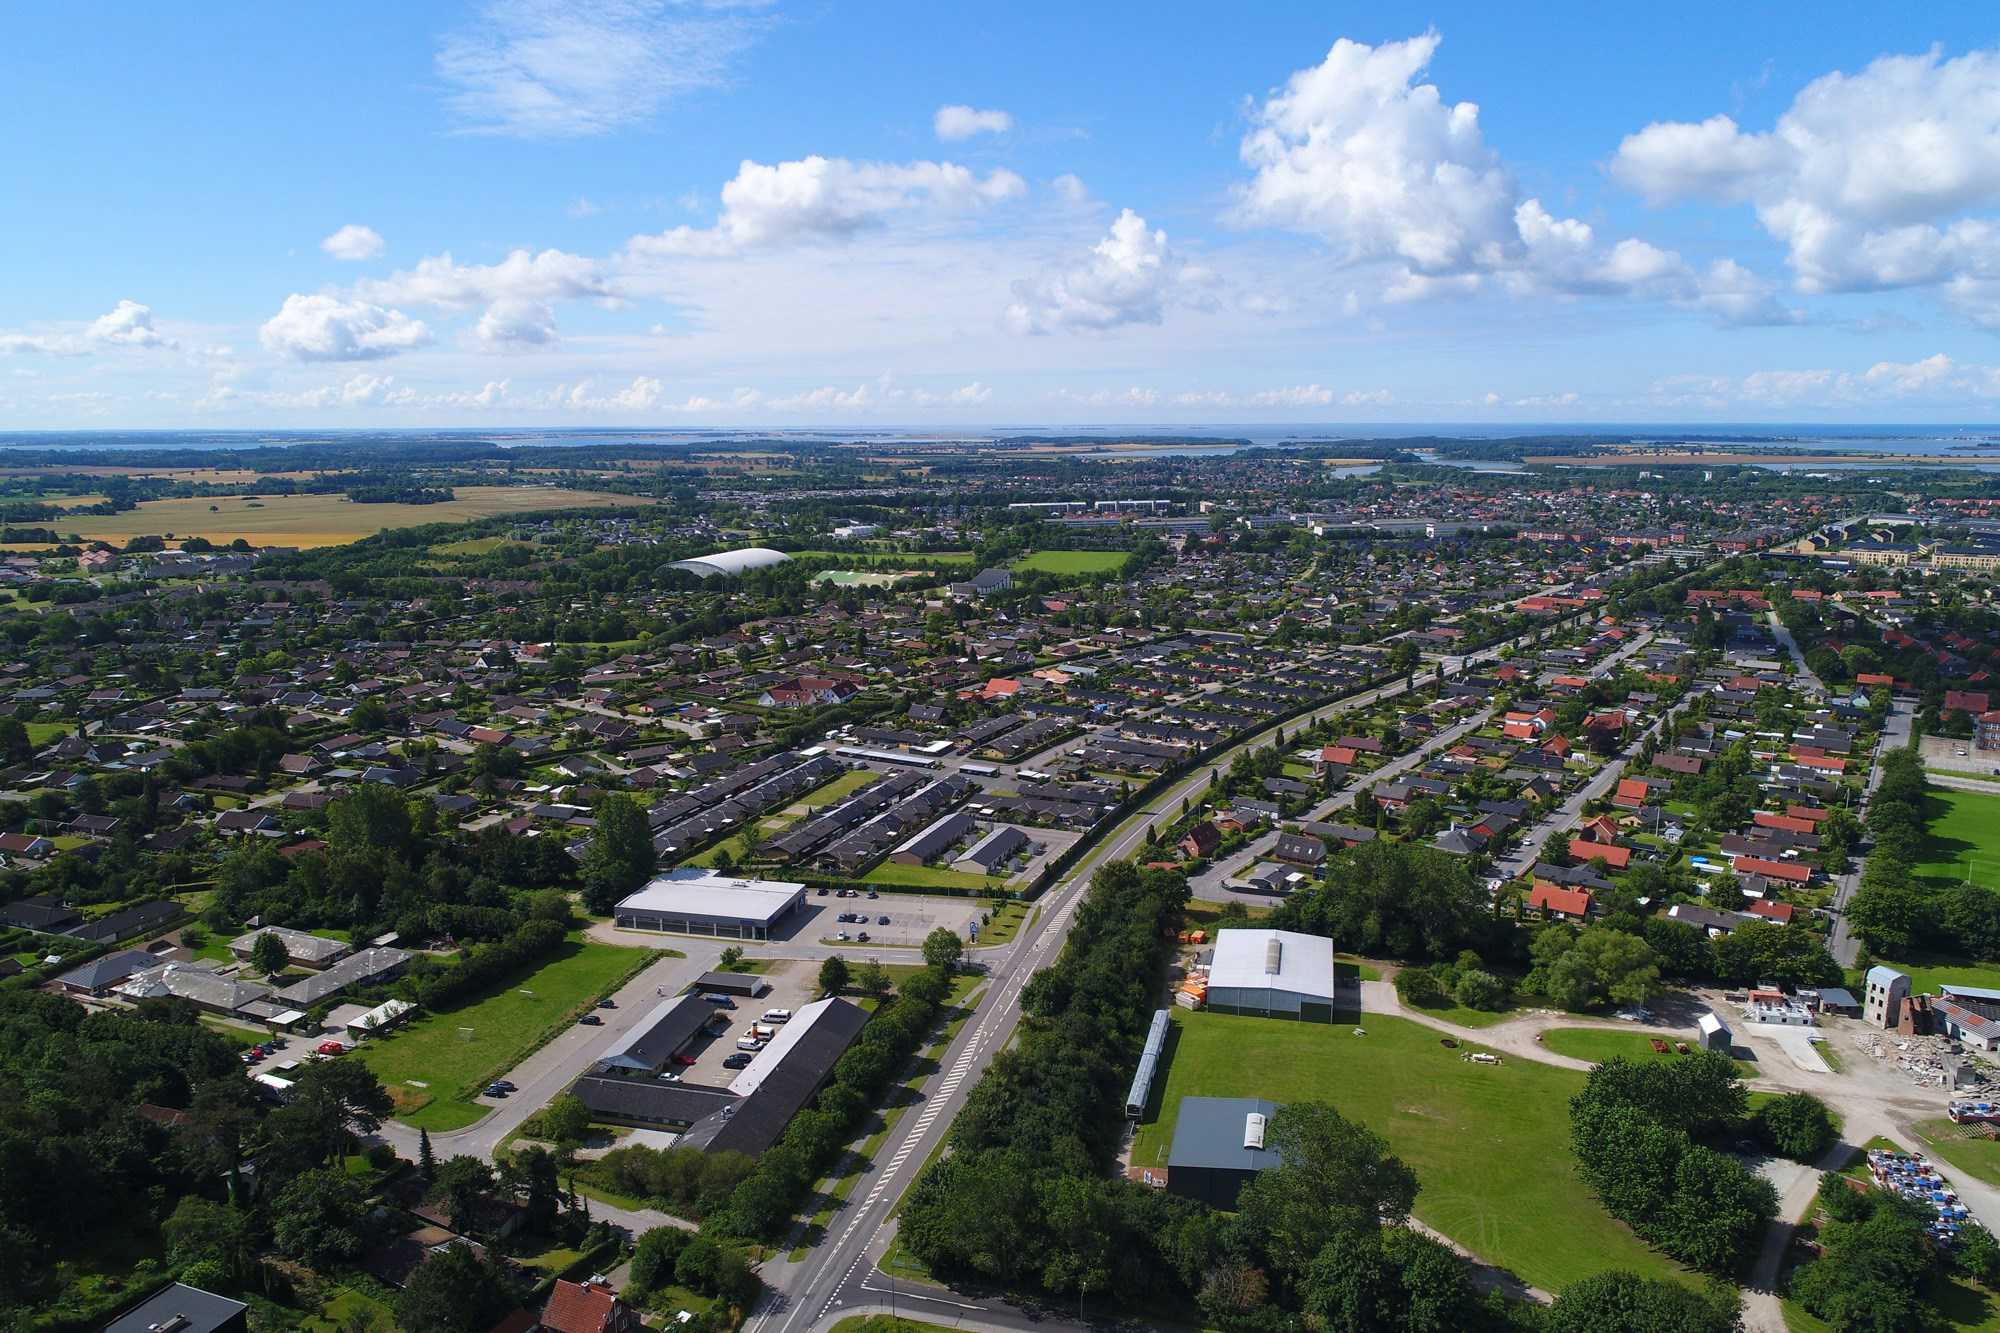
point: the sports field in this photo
(1489, 1143)
(434, 1066)
(323, 520)
(1073, 562)
(1963, 837)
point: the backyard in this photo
(1489, 1143)
(1600, 1044)
(439, 1062)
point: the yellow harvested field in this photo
(324, 520)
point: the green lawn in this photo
(433, 1066)
(1963, 837)
(1490, 1144)
(931, 877)
(1600, 1044)
(1976, 1157)
(41, 733)
(843, 785)
(1073, 562)
(1006, 924)
(1929, 970)
(1463, 1016)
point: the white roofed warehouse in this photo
(1273, 974)
(729, 564)
(701, 902)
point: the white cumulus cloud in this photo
(1359, 152)
(956, 122)
(324, 327)
(127, 324)
(354, 243)
(1871, 181)
(1125, 279)
(829, 199)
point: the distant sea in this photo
(1859, 439)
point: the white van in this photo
(749, 1043)
(777, 1015)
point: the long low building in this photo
(701, 902)
(751, 1114)
(658, 1037)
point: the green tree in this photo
(566, 1120)
(456, 1290)
(462, 1185)
(317, 1218)
(1797, 1125)
(1622, 1302)
(1334, 1176)
(654, 1257)
(943, 949)
(201, 1231)
(426, 1159)
(268, 953)
(620, 855)
(833, 975)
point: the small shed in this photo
(1712, 1034)
(733, 983)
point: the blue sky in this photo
(782, 214)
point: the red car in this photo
(332, 1048)
(683, 1059)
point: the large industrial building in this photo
(1273, 974)
(1219, 1148)
(729, 564)
(701, 902)
(751, 1113)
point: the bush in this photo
(1419, 986)
(1796, 1125)
(1480, 989)
(381, 1156)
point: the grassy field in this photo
(1600, 1044)
(1976, 1157)
(1963, 839)
(477, 546)
(1489, 1143)
(844, 785)
(1929, 970)
(930, 877)
(433, 1068)
(1073, 562)
(42, 733)
(324, 520)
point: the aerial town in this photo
(730, 885)
(813, 666)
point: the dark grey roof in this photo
(649, 1099)
(145, 917)
(655, 1038)
(754, 1124)
(1209, 1133)
(203, 1311)
(109, 970)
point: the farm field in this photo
(324, 520)
(1489, 1143)
(433, 1052)
(1073, 562)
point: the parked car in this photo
(683, 1058)
(823, 891)
(749, 1044)
(495, 1090)
(670, 1076)
(840, 934)
(862, 938)
(503, 1084)
(607, 1003)
(591, 1021)
(777, 1015)
(332, 1048)
(882, 920)
(736, 1061)
(720, 1001)
(873, 894)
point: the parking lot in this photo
(1959, 756)
(911, 917)
(793, 986)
